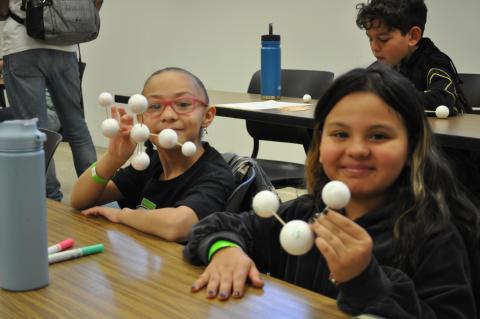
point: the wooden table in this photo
(459, 132)
(141, 276)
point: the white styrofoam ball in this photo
(296, 237)
(265, 203)
(189, 149)
(139, 133)
(168, 138)
(307, 98)
(335, 195)
(442, 112)
(105, 99)
(110, 127)
(140, 161)
(137, 104)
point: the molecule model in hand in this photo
(296, 237)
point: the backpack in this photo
(249, 178)
(60, 22)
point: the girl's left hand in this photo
(346, 246)
(112, 214)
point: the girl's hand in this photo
(112, 214)
(120, 146)
(227, 273)
(346, 246)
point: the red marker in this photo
(67, 243)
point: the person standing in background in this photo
(30, 67)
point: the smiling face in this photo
(364, 144)
(170, 85)
(390, 47)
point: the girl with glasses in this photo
(405, 246)
(175, 191)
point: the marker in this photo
(75, 253)
(67, 243)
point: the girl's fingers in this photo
(337, 240)
(239, 280)
(201, 282)
(345, 225)
(212, 286)
(255, 278)
(225, 287)
(327, 251)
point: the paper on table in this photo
(264, 105)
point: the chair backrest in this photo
(50, 145)
(6, 114)
(249, 178)
(295, 83)
(471, 88)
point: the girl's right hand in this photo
(121, 146)
(227, 273)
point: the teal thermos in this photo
(23, 226)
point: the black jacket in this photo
(434, 74)
(439, 286)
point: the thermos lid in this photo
(21, 136)
(270, 36)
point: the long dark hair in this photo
(427, 195)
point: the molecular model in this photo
(138, 104)
(307, 98)
(296, 237)
(442, 112)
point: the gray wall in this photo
(219, 40)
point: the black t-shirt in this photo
(204, 187)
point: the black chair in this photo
(249, 178)
(295, 83)
(471, 89)
(6, 114)
(50, 145)
(3, 101)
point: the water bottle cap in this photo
(21, 136)
(270, 36)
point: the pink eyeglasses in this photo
(181, 105)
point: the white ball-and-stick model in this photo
(168, 139)
(442, 112)
(296, 237)
(110, 126)
(307, 98)
(138, 104)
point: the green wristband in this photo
(97, 179)
(219, 244)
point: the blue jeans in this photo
(27, 74)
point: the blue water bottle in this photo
(271, 72)
(23, 227)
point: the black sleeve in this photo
(440, 89)
(439, 288)
(238, 228)
(258, 237)
(208, 194)
(130, 183)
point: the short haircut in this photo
(394, 14)
(192, 76)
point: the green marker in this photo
(75, 253)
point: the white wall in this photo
(219, 41)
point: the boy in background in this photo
(395, 31)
